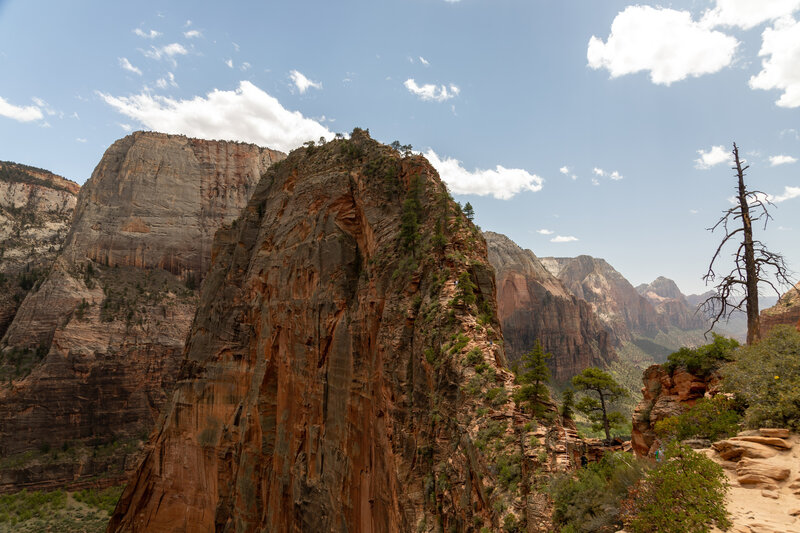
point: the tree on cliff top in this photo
(598, 409)
(533, 378)
(752, 260)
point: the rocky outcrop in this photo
(35, 209)
(111, 317)
(786, 311)
(611, 296)
(671, 303)
(534, 305)
(666, 393)
(326, 383)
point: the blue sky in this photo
(581, 118)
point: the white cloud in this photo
(780, 46)
(616, 176)
(125, 127)
(80, 140)
(235, 46)
(747, 14)
(167, 81)
(595, 181)
(564, 170)
(544, 232)
(152, 34)
(168, 51)
(599, 171)
(501, 183)
(693, 211)
(126, 65)
(666, 42)
(245, 66)
(788, 194)
(302, 83)
(563, 238)
(19, 113)
(246, 114)
(229, 62)
(424, 61)
(431, 92)
(191, 34)
(775, 160)
(715, 156)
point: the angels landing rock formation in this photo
(110, 319)
(534, 305)
(336, 377)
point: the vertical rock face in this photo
(611, 296)
(534, 305)
(110, 319)
(786, 311)
(326, 385)
(671, 303)
(35, 209)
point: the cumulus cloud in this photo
(788, 194)
(599, 171)
(431, 92)
(564, 170)
(245, 114)
(666, 42)
(19, 113)
(780, 46)
(595, 181)
(168, 51)
(229, 62)
(563, 238)
(302, 83)
(126, 65)
(191, 34)
(166, 81)
(152, 34)
(501, 183)
(544, 232)
(775, 160)
(747, 14)
(715, 156)
(614, 175)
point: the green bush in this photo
(589, 499)
(105, 499)
(702, 360)
(713, 419)
(685, 492)
(766, 378)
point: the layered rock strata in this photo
(111, 317)
(671, 303)
(337, 377)
(534, 305)
(786, 311)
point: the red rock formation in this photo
(326, 385)
(671, 303)
(534, 305)
(666, 394)
(114, 311)
(786, 311)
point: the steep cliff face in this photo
(110, 319)
(611, 296)
(35, 209)
(786, 311)
(534, 305)
(327, 384)
(670, 302)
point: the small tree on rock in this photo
(469, 212)
(594, 382)
(533, 376)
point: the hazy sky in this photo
(573, 126)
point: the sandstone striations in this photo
(670, 303)
(111, 317)
(35, 209)
(534, 305)
(786, 311)
(343, 371)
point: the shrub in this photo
(766, 377)
(686, 492)
(589, 499)
(713, 419)
(702, 360)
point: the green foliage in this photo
(509, 471)
(191, 281)
(459, 342)
(713, 419)
(465, 295)
(491, 432)
(593, 381)
(24, 505)
(766, 377)
(588, 500)
(474, 356)
(469, 212)
(533, 377)
(702, 360)
(685, 492)
(105, 499)
(567, 403)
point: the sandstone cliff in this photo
(111, 317)
(786, 311)
(35, 209)
(611, 296)
(534, 305)
(343, 371)
(671, 303)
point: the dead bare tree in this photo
(752, 261)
